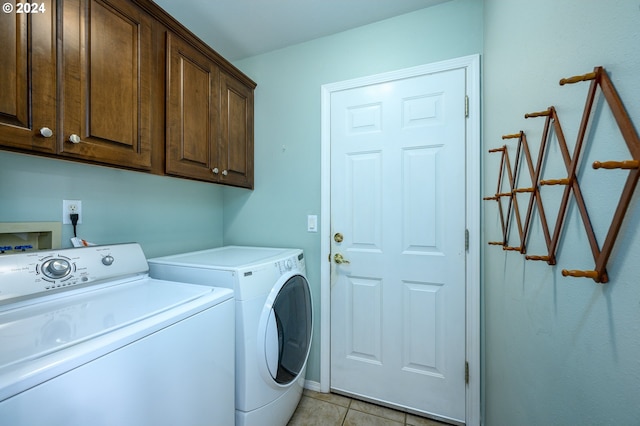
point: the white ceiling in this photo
(238, 29)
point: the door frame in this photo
(471, 64)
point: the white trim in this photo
(474, 179)
(325, 235)
(472, 66)
(312, 385)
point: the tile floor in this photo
(322, 409)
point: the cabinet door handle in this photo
(224, 173)
(215, 170)
(46, 132)
(74, 138)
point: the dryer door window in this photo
(288, 333)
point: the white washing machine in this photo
(273, 322)
(88, 338)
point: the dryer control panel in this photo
(29, 273)
(294, 262)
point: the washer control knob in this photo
(56, 268)
(288, 264)
(107, 260)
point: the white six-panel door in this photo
(398, 202)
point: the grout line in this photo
(346, 413)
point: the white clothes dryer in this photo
(273, 322)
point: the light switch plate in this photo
(312, 223)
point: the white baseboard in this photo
(311, 385)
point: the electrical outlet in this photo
(69, 207)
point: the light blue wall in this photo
(166, 215)
(556, 351)
(561, 351)
(287, 123)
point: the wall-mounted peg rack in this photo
(598, 79)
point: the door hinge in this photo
(466, 106)
(466, 372)
(466, 239)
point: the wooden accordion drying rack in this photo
(598, 78)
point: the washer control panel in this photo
(29, 273)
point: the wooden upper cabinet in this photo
(28, 79)
(122, 83)
(106, 89)
(209, 131)
(192, 119)
(236, 139)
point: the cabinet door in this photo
(106, 89)
(236, 141)
(192, 112)
(28, 93)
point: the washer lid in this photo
(47, 325)
(224, 257)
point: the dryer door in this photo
(288, 330)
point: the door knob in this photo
(338, 237)
(46, 132)
(215, 170)
(74, 138)
(339, 259)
